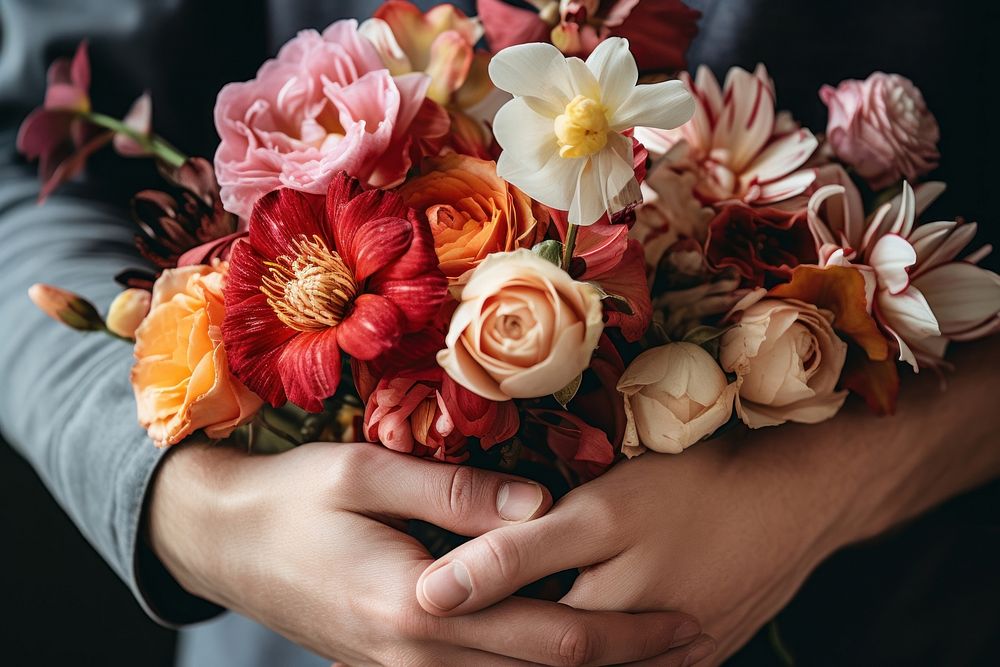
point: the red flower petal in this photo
(346, 221)
(628, 281)
(255, 339)
(479, 417)
(377, 244)
(310, 368)
(282, 217)
(373, 327)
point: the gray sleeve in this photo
(66, 403)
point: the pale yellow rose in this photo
(181, 376)
(523, 328)
(127, 311)
(675, 395)
(787, 360)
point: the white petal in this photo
(781, 158)
(589, 199)
(962, 296)
(613, 65)
(615, 164)
(794, 184)
(528, 136)
(582, 80)
(891, 257)
(553, 183)
(909, 318)
(934, 248)
(747, 117)
(663, 105)
(534, 70)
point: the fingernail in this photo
(701, 650)
(449, 586)
(687, 631)
(517, 501)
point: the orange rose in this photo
(181, 377)
(473, 212)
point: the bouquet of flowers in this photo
(548, 255)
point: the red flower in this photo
(762, 244)
(353, 272)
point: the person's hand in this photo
(701, 531)
(306, 542)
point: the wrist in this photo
(193, 496)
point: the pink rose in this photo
(882, 127)
(326, 104)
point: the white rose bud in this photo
(675, 395)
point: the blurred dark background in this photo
(925, 594)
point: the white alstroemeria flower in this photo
(562, 133)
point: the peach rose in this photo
(675, 395)
(787, 360)
(523, 328)
(181, 377)
(473, 212)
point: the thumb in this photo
(468, 501)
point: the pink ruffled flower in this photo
(882, 128)
(917, 289)
(740, 148)
(326, 104)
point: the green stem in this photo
(569, 246)
(153, 144)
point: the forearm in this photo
(858, 475)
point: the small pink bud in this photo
(127, 312)
(64, 306)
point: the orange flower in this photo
(473, 212)
(181, 377)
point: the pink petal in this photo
(506, 25)
(962, 296)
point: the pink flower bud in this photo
(64, 306)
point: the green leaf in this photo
(566, 394)
(550, 251)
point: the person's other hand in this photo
(307, 543)
(702, 531)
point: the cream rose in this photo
(523, 329)
(675, 395)
(787, 360)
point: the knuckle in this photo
(343, 474)
(576, 646)
(461, 497)
(504, 552)
(411, 623)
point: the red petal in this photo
(373, 327)
(377, 244)
(283, 216)
(479, 417)
(342, 190)
(310, 368)
(346, 221)
(628, 280)
(72, 165)
(42, 132)
(255, 339)
(245, 271)
(80, 67)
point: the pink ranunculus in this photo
(326, 104)
(882, 127)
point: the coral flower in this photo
(736, 142)
(352, 273)
(563, 133)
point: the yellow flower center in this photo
(582, 129)
(312, 290)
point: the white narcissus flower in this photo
(562, 134)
